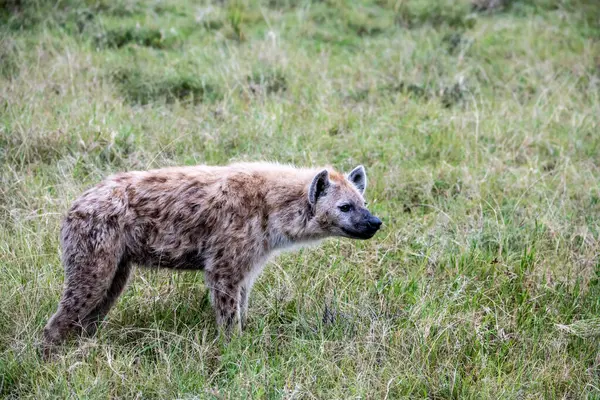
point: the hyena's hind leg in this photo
(84, 291)
(90, 270)
(94, 318)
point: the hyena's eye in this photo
(345, 207)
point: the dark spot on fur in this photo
(219, 255)
(112, 221)
(193, 189)
(155, 179)
(76, 214)
(89, 295)
(95, 276)
(155, 213)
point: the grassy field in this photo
(480, 131)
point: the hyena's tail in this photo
(96, 273)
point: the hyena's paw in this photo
(50, 345)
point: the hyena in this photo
(225, 221)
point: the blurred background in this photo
(478, 123)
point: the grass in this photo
(479, 129)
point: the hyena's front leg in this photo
(225, 291)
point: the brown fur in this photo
(223, 220)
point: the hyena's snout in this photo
(374, 223)
(364, 225)
(370, 225)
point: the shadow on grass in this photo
(177, 312)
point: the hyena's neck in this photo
(292, 221)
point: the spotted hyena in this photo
(225, 221)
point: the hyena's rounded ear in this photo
(358, 177)
(318, 186)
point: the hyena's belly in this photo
(187, 260)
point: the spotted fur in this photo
(225, 221)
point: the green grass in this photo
(480, 134)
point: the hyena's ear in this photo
(358, 177)
(318, 186)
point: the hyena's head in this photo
(339, 205)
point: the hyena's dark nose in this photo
(374, 223)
